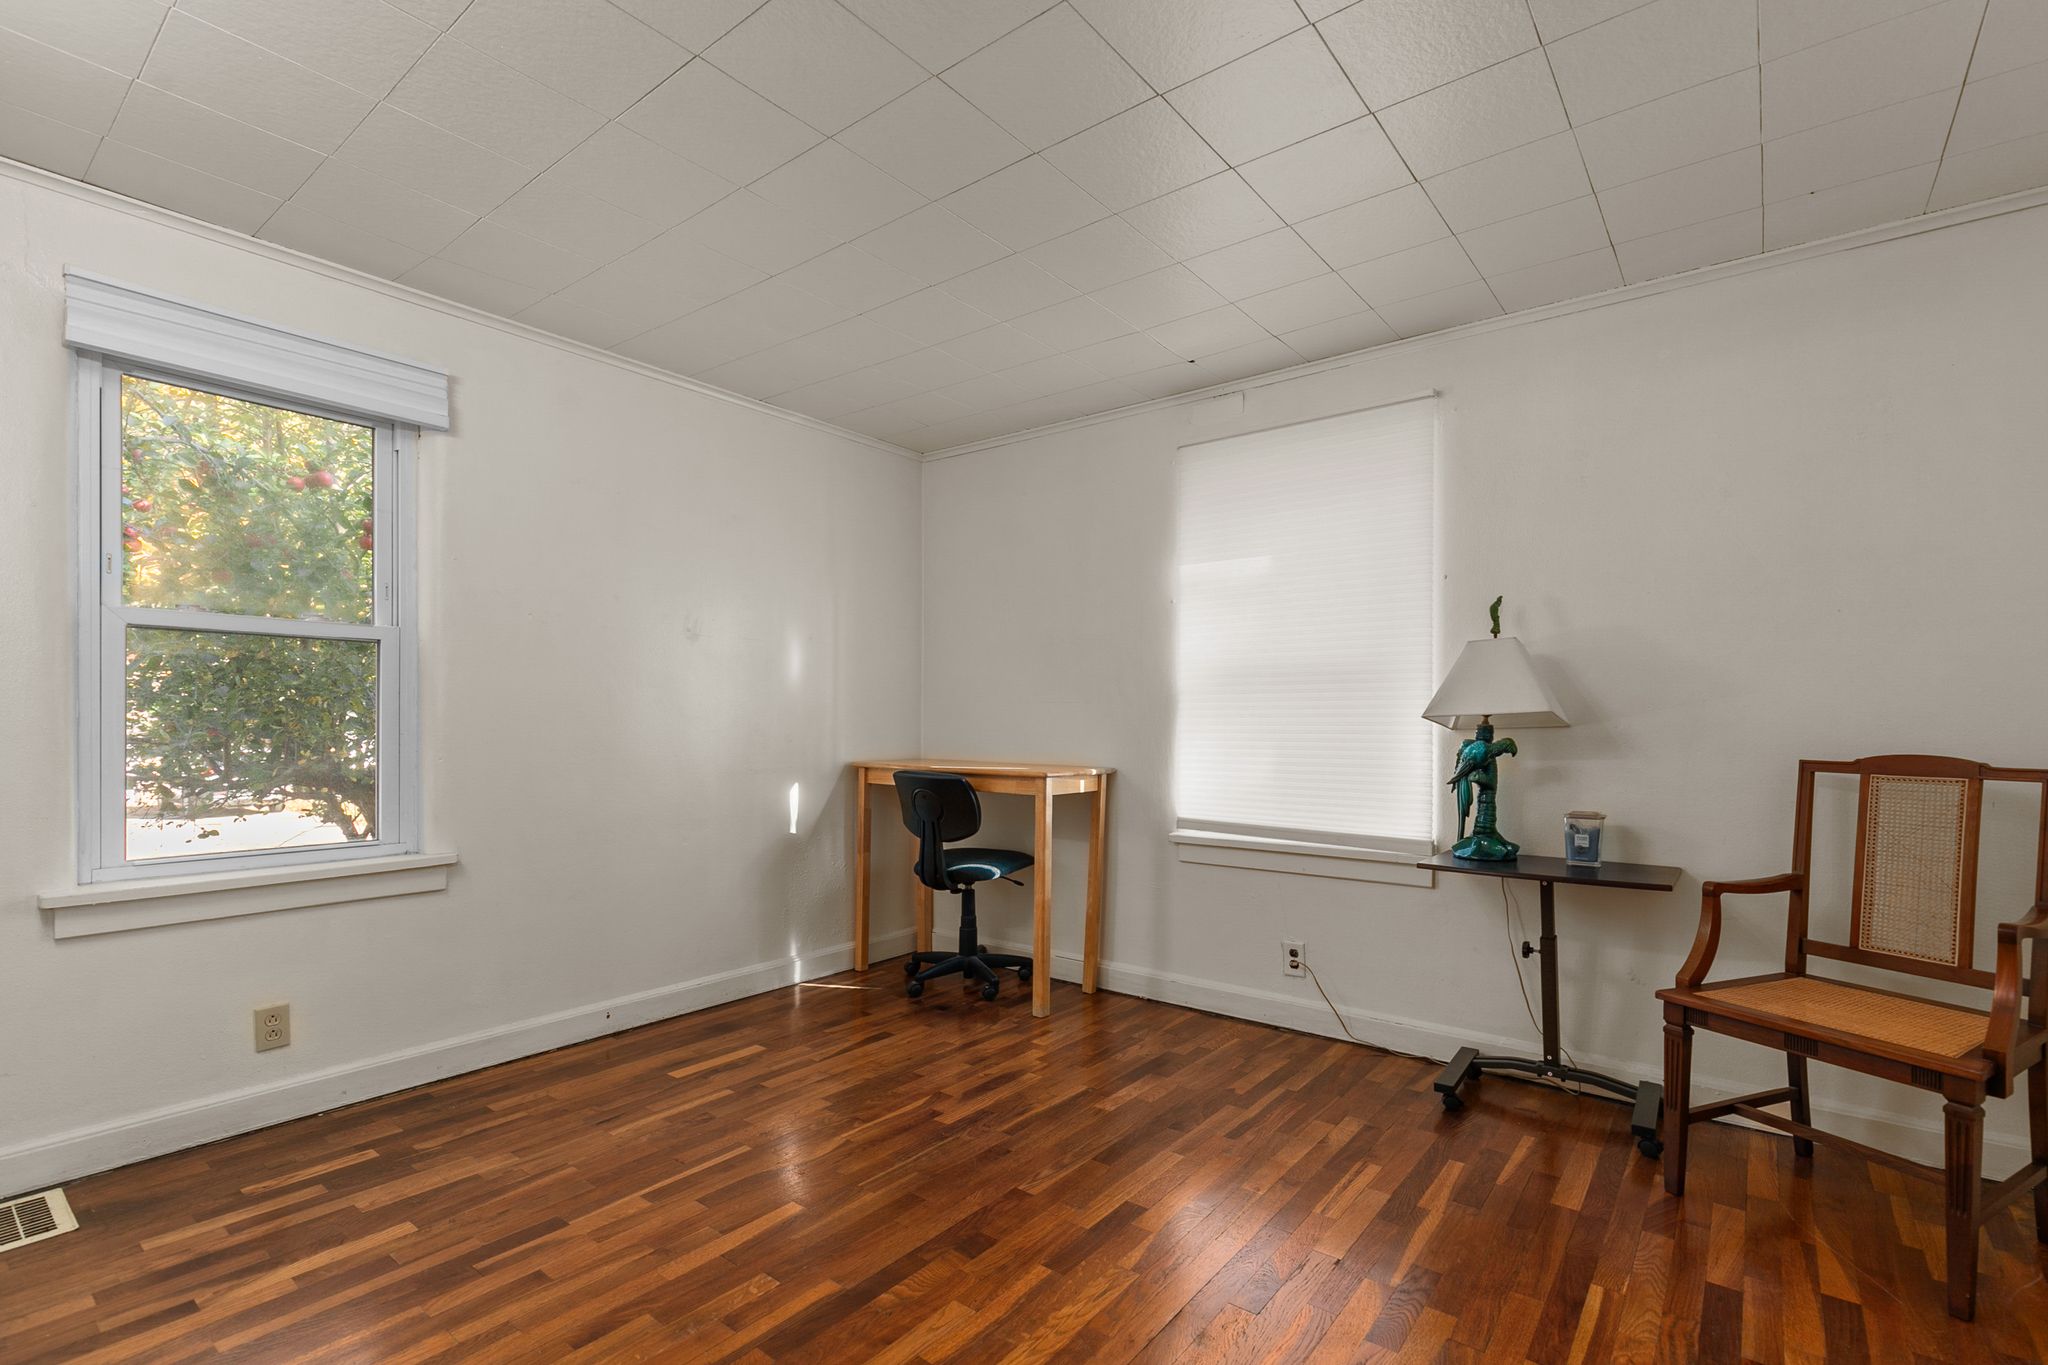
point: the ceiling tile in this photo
(1574, 276)
(1278, 95)
(753, 319)
(1398, 48)
(1476, 116)
(705, 115)
(143, 175)
(1025, 204)
(1675, 131)
(1174, 41)
(931, 316)
(210, 66)
(1402, 275)
(57, 85)
(38, 141)
(833, 350)
(921, 370)
(318, 235)
(1926, 51)
(192, 135)
(696, 24)
(554, 210)
(1434, 312)
(432, 160)
(2002, 107)
(1211, 333)
(1556, 18)
(1339, 336)
(1139, 155)
(624, 169)
(816, 60)
(938, 33)
(766, 236)
(1258, 265)
(1162, 296)
(1342, 166)
(352, 195)
(1534, 176)
(1048, 80)
(1124, 355)
(114, 34)
(996, 348)
(1203, 217)
(1692, 194)
(578, 324)
(2005, 168)
(1242, 362)
(439, 13)
(932, 245)
(656, 283)
(1692, 246)
(1100, 255)
(365, 44)
(1864, 203)
(830, 399)
(1789, 25)
(480, 98)
(1887, 139)
(1379, 226)
(448, 280)
(588, 50)
(933, 140)
(1008, 288)
(831, 186)
(851, 278)
(1536, 238)
(1317, 299)
(1651, 52)
(1072, 324)
(513, 255)
(2015, 34)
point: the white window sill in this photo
(111, 907)
(1395, 866)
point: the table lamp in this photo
(1493, 680)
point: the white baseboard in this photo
(1919, 1140)
(66, 1156)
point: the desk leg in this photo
(1546, 945)
(1041, 902)
(1098, 853)
(862, 837)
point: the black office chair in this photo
(938, 808)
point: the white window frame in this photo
(103, 620)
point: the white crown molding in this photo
(1708, 274)
(213, 232)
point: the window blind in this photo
(1305, 630)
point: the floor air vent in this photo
(34, 1217)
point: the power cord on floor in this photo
(1511, 920)
(1338, 1015)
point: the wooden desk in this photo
(1039, 781)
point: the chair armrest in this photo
(2009, 984)
(1708, 941)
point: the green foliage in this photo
(235, 507)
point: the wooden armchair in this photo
(1913, 910)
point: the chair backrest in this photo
(1913, 894)
(939, 808)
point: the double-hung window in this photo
(246, 640)
(1304, 613)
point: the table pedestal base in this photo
(1648, 1098)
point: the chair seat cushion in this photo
(1902, 1021)
(983, 864)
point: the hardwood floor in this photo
(830, 1173)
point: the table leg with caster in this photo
(1455, 1073)
(1648, 1119)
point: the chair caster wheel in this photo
(913, 989)
(1650, 1147)
(1453, 1101)
(981, 950)
(910, 967)
(1024, 974)
(988, 990)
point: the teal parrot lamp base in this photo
(1493, 680)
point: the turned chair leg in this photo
(2037, 1126)
(1963, 1159)
(1677, 1098)
(1802, 1108)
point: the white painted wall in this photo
(646, 612)
(1794, 513)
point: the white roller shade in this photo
(1305, 614)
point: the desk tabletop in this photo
(1530, 868)
(982, 767)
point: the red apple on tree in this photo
(322, 477)
(295, 483)
(365, 540)
(143, 504)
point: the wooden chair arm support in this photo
(1708, 941)
(2009, 983)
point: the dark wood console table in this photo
(1548, 873)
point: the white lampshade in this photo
(1493, 677)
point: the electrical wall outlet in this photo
(273, 1027)
(1296, 960)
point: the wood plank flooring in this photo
(830, 1173)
